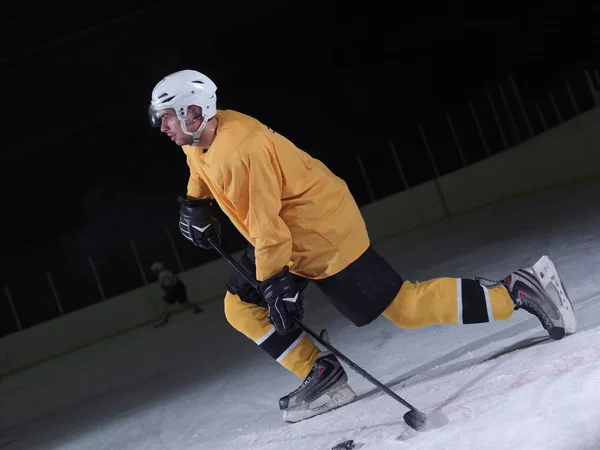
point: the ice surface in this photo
(199, 384)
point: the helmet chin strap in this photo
(195, 134)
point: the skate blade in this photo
(547, 274)
(338, 397)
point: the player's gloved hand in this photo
(196, 222)
(283, 299)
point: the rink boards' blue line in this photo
(575, 181)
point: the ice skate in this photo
(539, 290)
(325, 388)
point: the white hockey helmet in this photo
(157, 267)
(180, 90)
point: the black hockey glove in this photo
(283, 299)
(196, 222)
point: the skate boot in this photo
(325, 388)
(539, 290)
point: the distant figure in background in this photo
(174, 291)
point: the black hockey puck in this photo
(416, 420)
(346, 445)
(556, 333)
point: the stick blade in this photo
(417, 420)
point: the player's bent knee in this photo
(247, 318)
(232, 310)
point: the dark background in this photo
(84, 175)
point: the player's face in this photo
(172, 127)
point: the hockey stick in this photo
(414, 418)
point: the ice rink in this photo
(199, 384)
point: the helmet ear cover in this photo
(194, 112)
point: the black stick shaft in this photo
(353, 365)
(233, 263)
(314, 335)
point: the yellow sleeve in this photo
(255, 189)
(196, 187)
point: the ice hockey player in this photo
(303, 223)
(174, 292)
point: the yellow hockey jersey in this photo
(288, 205)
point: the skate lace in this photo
(305, 383)
(534, 308)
